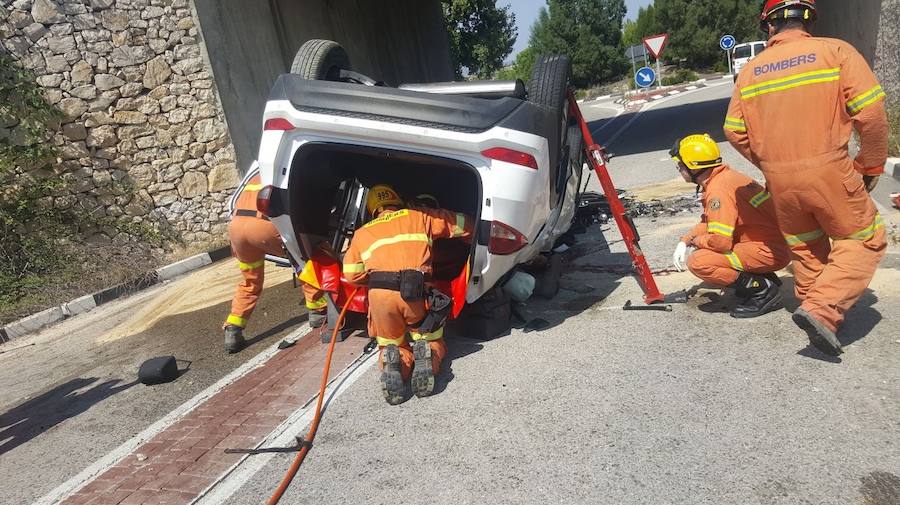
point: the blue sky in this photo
(526, 12)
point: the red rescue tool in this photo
(596, 155)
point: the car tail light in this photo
(264, 200)
(277, 123)
(505, 239)
(511, 156)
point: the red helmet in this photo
(786, 9)
(802, 9)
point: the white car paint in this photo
(514, 195)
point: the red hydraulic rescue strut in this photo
(596, 156)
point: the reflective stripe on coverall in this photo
(395, 241)
(312, 292)
(737, 232)
(252, 237)
(792, 112)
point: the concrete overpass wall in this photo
(873, 27)
(856, 22)
(250, 42)
(887, 54)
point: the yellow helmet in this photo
(380, 196)
(697, 152)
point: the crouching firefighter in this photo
(392, 255)
(253, 236)
(737, 242)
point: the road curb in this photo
(663, 92)
(892, 166)
(86, 303)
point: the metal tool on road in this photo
(267, 450)
(660, 308)
(16, 348)
(597, 157)
(680, 296)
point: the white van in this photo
(742, 53)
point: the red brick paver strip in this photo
(188, 457)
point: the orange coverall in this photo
(737, 232)
(252, 237)
(395, 241)
(791, 114)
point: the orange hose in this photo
(295, 466)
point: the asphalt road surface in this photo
(603, 406)
(608, 406)
(73, 395)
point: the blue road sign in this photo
(644, 77)
(727, 42)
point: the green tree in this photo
(695, 27)
(644, 25)
(589, 31)
(521, 68)
(481, 35)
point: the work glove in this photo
(679, 257)
(870, 182)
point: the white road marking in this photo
(690, 88)
(612, 139)
(285, 434)
(673, 92)
(103, 464)
(619, 112)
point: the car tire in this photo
(576, 153)
(548, 86)
(550, 80)
(320, 60)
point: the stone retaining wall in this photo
(887, 55)
(144, 137)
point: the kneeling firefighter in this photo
(392, 255)
(738, 243)
(253, 236)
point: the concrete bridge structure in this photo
(162, 99)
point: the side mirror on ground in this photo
(159, 370)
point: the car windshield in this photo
(741, 52)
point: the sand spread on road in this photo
(204, 288)
(662, 190)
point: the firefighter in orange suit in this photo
(252, 237)
(738, 243)
(791, 114)
(392, 255)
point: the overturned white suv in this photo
(510, 157)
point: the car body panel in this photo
(517, 196)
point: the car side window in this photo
(758, 48)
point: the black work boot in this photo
(317, 319)
(761, 295)
(819, 335)
(391, 377)
(234, 339)
(742, 284)
(423, 374)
